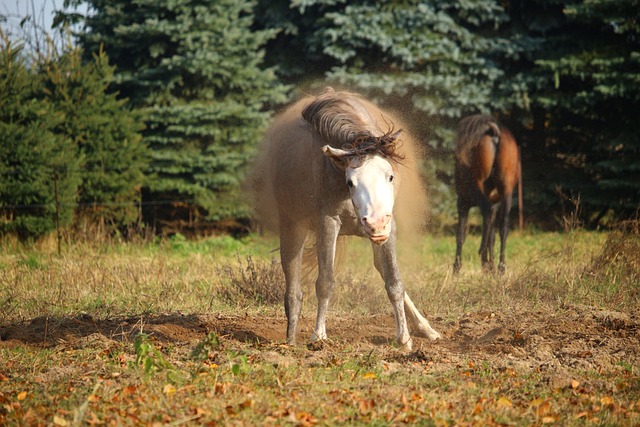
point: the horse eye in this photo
(391, 178)
(350, 184)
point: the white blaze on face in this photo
(372, 187)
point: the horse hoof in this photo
(487, 268)
(316, 345)
(406, 347)
(502, 268)
(429, 333)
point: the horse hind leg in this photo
(503, 220)
(486, 245)
(461, 232)
(421, 326)
(492, 235)
(292, 238)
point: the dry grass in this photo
(552, 268)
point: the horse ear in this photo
(338, 156)
(395, 135)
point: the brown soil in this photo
(572, 337)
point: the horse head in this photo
(370, 177)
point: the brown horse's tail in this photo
(520, 199)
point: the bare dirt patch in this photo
(571, 337)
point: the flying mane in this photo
(343, 122)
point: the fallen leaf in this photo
(306, 419)
(606, 400)
(22, 395)
(477, 409)
(504, 402)
(246, 404)
(370, 375)
(59, 421)
(575, 384)
(169, 390)
(366, 405)
(536, 402)
(544, 408)
(129, 390)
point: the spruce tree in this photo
(194, 69)
(36, 162)
(105, 132)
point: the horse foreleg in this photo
(326, 248)
(384, 259)
(292, 240)
(461, 233)
(421, 326)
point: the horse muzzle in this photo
(379, 230)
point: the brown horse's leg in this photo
(503, 220)
(492, 234)
(487, 230)
(292, 238)
(461, 233)
(326, 248)
(384, 259)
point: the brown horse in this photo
(487, 170)
(327, 168)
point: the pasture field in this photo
(179, 332)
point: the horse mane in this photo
(343, 121)
(471, 130)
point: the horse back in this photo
(282, 174)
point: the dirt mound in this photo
(573, 337)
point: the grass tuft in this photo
(252, 282)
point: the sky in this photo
(12, 13)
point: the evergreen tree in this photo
(583, 85)
(35, 161)
(193, 68)
(105, 132)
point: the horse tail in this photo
(472, 132)
(496, 132)
(310, 257)
(520, 199)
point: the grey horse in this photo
(327, 168)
